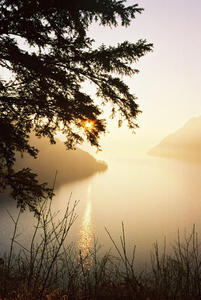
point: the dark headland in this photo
(71, 165)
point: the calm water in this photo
(153, 197)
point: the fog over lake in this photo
(154, 197)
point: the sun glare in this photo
(89, 124)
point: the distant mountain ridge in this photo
(184, 144)
(71, 165)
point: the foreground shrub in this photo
(49, 268)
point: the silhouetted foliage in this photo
(45, 47)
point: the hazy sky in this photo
(168, 86)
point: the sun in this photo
(88, 124)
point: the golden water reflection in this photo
(86, 240)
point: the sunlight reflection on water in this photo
(153, 197)
(85, 242)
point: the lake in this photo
(153, 197)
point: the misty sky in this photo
(168, 86)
